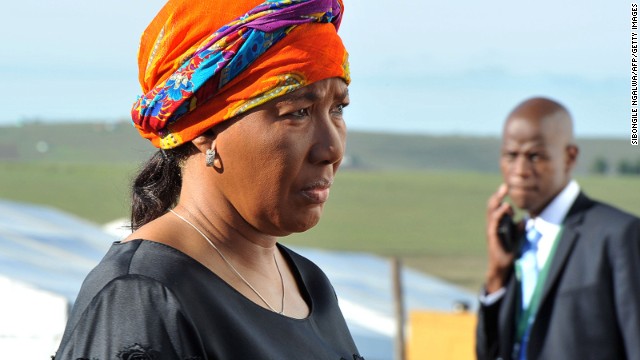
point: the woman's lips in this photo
(318, 195)
(318, 192)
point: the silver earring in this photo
(210, 156)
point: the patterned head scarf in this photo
(203, 62)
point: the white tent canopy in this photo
(44, 256)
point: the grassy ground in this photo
(433, 220)
(95, 192)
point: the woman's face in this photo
(279, 161)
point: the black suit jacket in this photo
(590, 305)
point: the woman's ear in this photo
(206, 145)
(204, 142)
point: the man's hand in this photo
(500, 261)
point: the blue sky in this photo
(417, 67)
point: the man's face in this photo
(536, 162)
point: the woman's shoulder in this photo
(126, 307)
(141, 261)
(140, 257)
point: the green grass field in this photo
(434, 220)
(95, 192)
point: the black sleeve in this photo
(132, 317)
(487, 331)
(624, 253)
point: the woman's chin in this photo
(306, 222)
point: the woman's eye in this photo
(300, 113)
(340, 108)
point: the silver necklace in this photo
(236, 271)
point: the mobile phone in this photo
(508, 233)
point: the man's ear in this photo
(572, 156)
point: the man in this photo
(570, 288)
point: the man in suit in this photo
(570, 288)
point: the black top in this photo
(146, 300)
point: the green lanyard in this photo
(526, 317)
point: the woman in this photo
(245, 102)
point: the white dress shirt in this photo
(549, 222)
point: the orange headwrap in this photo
(203, 62)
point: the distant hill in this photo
(392, 151)
(73, 143)
(120, 143)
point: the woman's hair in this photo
(156, 187)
